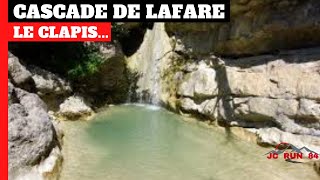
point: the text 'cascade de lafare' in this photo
(120, 11)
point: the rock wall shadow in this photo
(289, 56)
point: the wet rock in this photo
(74, 108)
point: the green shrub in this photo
(88, 65)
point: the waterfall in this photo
(148, 63)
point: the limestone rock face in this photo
(48, 83)
(31, 133)
(207, 108)
(259, 72)
(309, 109)
(19, 75)
(279, 77)
(200, 83)
(74, 108)
(256, 27)
(34, 150)
(257, 108)
(278, 95)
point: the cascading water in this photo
(147, 61)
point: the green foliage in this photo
(74, 60)
(119, 31)
(88, 65)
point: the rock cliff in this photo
(33, 143)
(261, 71)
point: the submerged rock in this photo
(74, 108)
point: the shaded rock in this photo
(256, 27)
(50, 87)
(209, 108)
(316, 166)
(288, 125)
(74, 108)
(19, 75)
(11, 94)
(109, 83)
(48, 83)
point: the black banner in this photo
(119, 11)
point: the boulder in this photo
(31, 133)
(33, 147)
(18, 73)
(47, 83)
(74, 108)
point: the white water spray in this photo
(147, 61)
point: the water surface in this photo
(132, 142)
